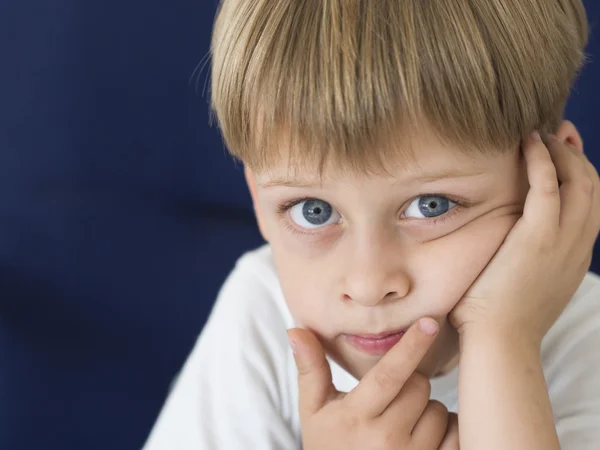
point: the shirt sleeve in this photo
(574, 372)
(231, 393)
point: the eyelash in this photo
(432, 222)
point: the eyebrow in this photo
(427, 177)
(274, 182)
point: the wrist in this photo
(502, 387)
(507, 335)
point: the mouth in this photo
(375, 344)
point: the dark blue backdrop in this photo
(120, 214)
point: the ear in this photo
(568, 134)
(251, 181)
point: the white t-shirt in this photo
(238, 387)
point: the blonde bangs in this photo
(347, 82)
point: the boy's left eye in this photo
(429, 206)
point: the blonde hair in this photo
(348, 81)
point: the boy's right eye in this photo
(314, 213)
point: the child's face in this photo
(372, 254)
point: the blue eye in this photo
(313, 213)
(429, 206)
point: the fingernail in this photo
(428, 326)
(293, 344)
(536, 136)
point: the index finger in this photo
(383, 382)
(542, 204)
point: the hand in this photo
(388, 409)
(451, 439)
(544, 258)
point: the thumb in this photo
(315, 385)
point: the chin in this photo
(358, 369)
(356, 365)
(359, 365)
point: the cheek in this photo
(450, 265)
(304, 285)
(293, 243)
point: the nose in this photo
(375, 275)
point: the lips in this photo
(375, 344)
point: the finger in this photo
(383, 382)
(580, 211)
(450, 441)
(431, 428)
(408, 406)
(591, 169)
(542, 204)
(575, 186)
(315, 386)
(567, 162)
(593, 224)
(589, 234)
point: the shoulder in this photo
(580, 318)
(245, 337)
(571, 362)
(240, 363)
(251, 299)
(588, 289)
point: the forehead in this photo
(426, 160)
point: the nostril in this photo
(387, 297)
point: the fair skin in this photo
(368, 255)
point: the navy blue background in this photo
(120, 214)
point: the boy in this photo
(426, 246)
